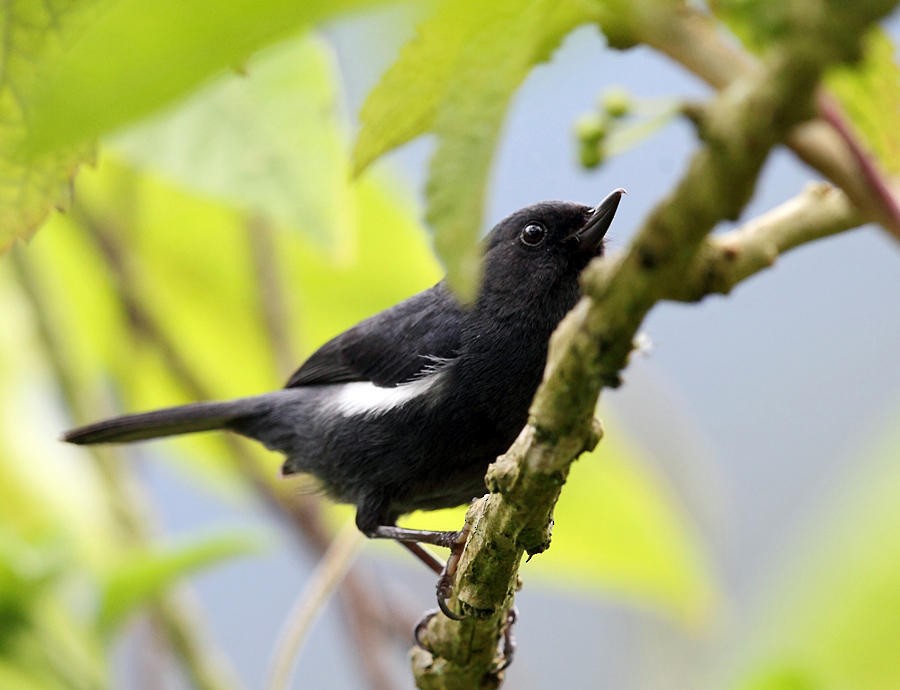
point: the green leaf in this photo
(510, 38)
(455, 79)
(647, 118)
(869, 93)
(27, 569)
(272, 142)
(30, 187)
(405, 102)
(138, 56)
(757, 23)
(618, 526)
(15, 674)
(833, 616)
(782, 678)
(142, 576)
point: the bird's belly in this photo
(419, 456)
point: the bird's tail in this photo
(184, 419)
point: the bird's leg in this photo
(424, 555)
(508, 650)
(412, 538)
(420, 536)
(374, 519)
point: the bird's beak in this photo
(590, 236)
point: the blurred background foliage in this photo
(217, 237)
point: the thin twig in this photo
(723, 261)
(300, 512)
(364, 619)
(321, 585)
(204, 665)
(693, 38)
(271, 300)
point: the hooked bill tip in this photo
(590, 237)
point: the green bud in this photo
(616, 102)
(590, 128)
(590, 154)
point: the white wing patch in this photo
(364, 398)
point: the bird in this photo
(405, 410)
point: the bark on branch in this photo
(670, 257)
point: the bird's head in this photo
(534, 256)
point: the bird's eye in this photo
(532, 235)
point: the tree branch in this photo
(693, 38)
(723, 261)
(591, 346)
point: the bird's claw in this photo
(444, 588)
(421, 627)
(443, 595)
(445, 581)
(508, 650)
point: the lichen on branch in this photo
(667, 260)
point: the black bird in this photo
(406, 410)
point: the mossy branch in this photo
(670, 258)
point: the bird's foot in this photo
(412, 539)
(506, 649)
(445, 581)
(420, 629)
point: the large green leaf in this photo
(869, 93)
(455, 79)
(832, 620)
(509, 40)
(27, 568)
(138, 56)
(405, 103)
(190, 264)
(30, 186)
(271, 142)
(141, 576)
(618, 527)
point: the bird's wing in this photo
(391, 347)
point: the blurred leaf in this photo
(757, 23)
(189, 262)
(142, 576)
(624, 135)
(392, 262)
(455, 78)
(30, 187)
(26, 569)
(781, 678)
(510, 39)
(17, 675)
(617, 527)
(62, 644)
(869, 93)
(405, 102)
(834, 614)
(47, 496)
(271, 142)
(138, 56)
